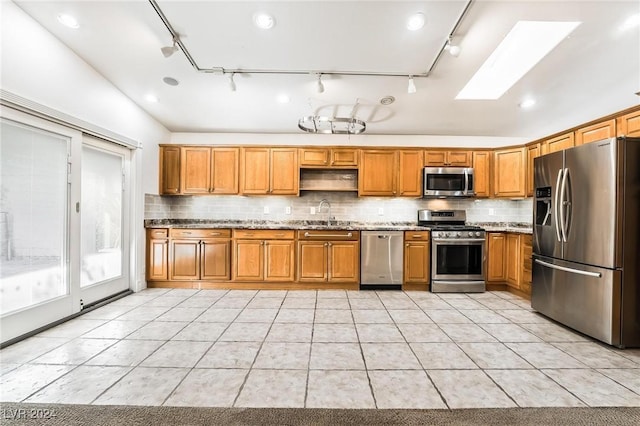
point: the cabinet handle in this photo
(214, 233)
(186, 233)
(279, 235)
(348, 235)
(158, 232)
(416, 236)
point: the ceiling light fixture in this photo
(320, 86)
(415, 22)
(527, 103)
(387, 100)
(170, 81)
(170, 50)
(453, 49)
(331, 125)
(68, 21)
(232, 84)
(411, 88)
(263, 21)
(151, 98)
(631, 22)
(525, 45)
(283, 99)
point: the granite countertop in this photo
(317, 224)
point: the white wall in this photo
(37, 66)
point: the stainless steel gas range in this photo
(457, 252)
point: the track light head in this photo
(232, 84)
(169, 50)
(411, 88)
(319, 85)
(452, 49)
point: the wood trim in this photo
(415, 287)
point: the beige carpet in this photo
(55, 414)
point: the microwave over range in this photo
(445, 182)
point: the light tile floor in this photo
(333, 349)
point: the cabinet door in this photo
(185, 259)
(224, 170)
(377, 174)
(312, 261)
(410, 173)
(533, 151)
(416, 262)
(284, 171)
(526, 249)
(435, 158)
(248, 260)
(596, 132)
(459, 158)
(195, 170)
(313, 157)
(629, 124)
(344, 157)
(279, 260)
(254, 178)
(560, 142)
(169, 170)
(496, 262)
(343, 261)
(481, 173)
(157, 259)
(513, 260)
(509, 173)
(215, 263)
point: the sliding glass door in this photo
(64, 222)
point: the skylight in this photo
(525, 45)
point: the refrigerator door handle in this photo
(557, 206)
(564, 268)
(563, 208)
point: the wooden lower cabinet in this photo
(263, 256)
(496, 262)
(417, 258)
(322, 258)
(526, 260)
(157, 265)
(513, 260)
(199, 254)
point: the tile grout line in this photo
(313, 326)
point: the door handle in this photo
(565, 269)
(562, 207)
(557, 206)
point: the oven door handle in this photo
(458, 240)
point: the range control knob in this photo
(459, 234)
(470, 234)
(478, 234)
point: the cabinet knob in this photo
(406, 245)
(330, 244)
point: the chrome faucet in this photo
(325, 202)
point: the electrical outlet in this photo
(287, 210)
(312, 210)
(266, 210)
(380, 211)
(492, 212)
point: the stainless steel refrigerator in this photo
(586, 236)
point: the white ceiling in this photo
(594, 72)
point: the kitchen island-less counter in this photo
(512, 227)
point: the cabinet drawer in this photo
(199, 233)
(416, 236)
(263, 234)
(158, 233)
(329, 235)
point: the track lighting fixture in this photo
(319, 85)
(411, 88)
(170, 50)
(452, 49)
(232, 84)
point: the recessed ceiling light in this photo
(68, 21)
(525, 45)
(283, 99)
(263, 20)
(527, 103)
(171, 81)
(415, 22)
(151, 98)
(387, 100)
(631, 22)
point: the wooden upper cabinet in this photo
(482, 173)
(509, 173)
(377, 175)
(628, 124)
(169, 170)
(533, 151)
(448, 158)
(328, 157)
(269, 171)
(224, 170)
(195, 170)
(559, 143)
(284, 175)
(410, 173)
(596, 132)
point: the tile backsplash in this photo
(344, 207)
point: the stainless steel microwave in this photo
(445, 182)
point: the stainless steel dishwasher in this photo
(381, 259)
